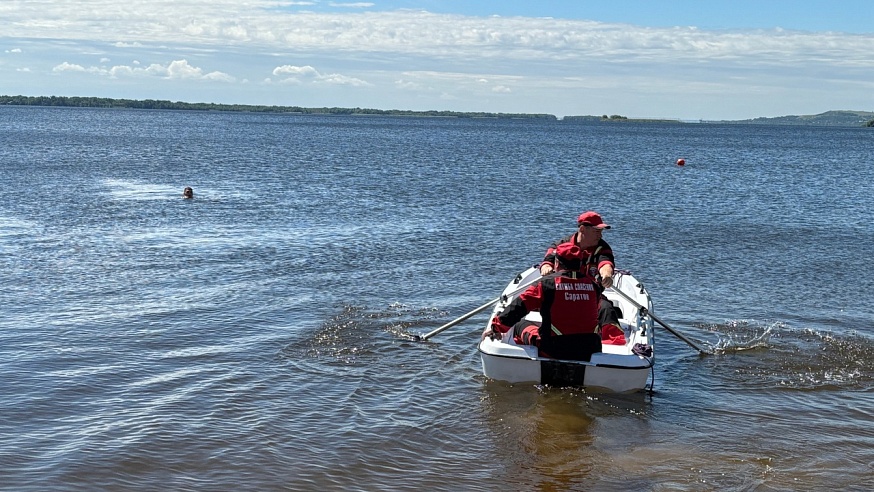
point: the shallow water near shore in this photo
(261, 336)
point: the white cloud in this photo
(338, 79)
(14, 50)
(177, 69)
(354, 5)
(407, 85)
(501, 89)
(297, 74)
(236, 33)
(68, 67)
(461, 78)
(119, 71)
(260, 24)
(305, 71)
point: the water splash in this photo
(793, 358)
(739, 336)
(354, 333)
(401, 318)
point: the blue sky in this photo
(680, 59)
(851, 17)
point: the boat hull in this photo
(521, 364)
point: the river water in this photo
(261, 336)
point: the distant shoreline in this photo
(829, 118)
(102, 102)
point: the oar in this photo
(675, 332)
(477, 310)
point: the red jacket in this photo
(567, 305)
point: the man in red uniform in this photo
(568, 305)
(599, 264)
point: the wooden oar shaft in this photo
(654, 317)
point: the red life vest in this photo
(574, 306)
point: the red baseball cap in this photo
(593, 219)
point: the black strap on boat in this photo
(546, 310)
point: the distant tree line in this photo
(829, 118)
(103, 102)
(838, 118)
(614, 117)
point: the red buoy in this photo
(681, 162)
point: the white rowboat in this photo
(616, 368)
